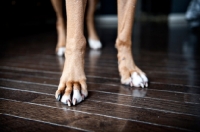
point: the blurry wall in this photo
(164, 6)
(179, 6)
(26, 12)
(22, 13)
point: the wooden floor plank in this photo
(135, 92)
(75, 119)
(18, 124)
(25, 76)
(110, 80)
(95, 66)
(148, 103)
(121, 111)
(56, 75)
(183, 81)
(110, 57)
(93, 73)
(90, 69)
(30, 72)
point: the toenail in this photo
(131, 84)
(59, 97)
(74, 101)
(69, 102)
(83, 96)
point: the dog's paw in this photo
(60, 51)
(136, 79)
(77, 90)
(94, 44)
(130, 73)
(72, 88)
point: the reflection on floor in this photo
(30, 72)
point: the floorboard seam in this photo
(166, 111)
(155, 124)
(55, 124)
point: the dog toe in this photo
(136, 79)
(66, 99)
(139, 80)
(59, 97)
(77, 97)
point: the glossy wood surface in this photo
(30, 72)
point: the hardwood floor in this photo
(30, 72)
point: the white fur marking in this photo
(61, 51)
(94, 44)
(144, 78)
(69, 103)
(74, 101)
(146, 84)
(65, 99)
(77, 96)
(142, 85)
(137, 80)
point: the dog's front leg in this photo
(130, 73)
(73, 76)
(93, 39)
(60, 26)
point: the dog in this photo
(72, 42)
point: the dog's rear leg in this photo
(73, 76)
(60, 26)
(130, 73)
(93, 38)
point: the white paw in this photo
(94, 44)
(66, 100)
(77, 97)
(61, 51)
(137, 80)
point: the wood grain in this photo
(30, 72)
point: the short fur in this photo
(73, 76)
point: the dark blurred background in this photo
(21, 15)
